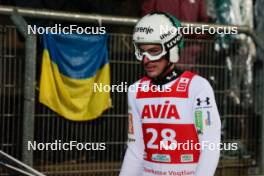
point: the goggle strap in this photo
(173, 42)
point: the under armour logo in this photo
(199, 101)
(174, 74)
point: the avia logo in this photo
(146, 30)
(163, 111)
(200, 101)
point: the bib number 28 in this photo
(165, 136)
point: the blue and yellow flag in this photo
(71, 65)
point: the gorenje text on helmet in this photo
(147, 30)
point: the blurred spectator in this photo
(239, 57)
(238, 12)
(259, 22)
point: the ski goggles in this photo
(152, 54)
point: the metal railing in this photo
(17, 166)
(240, 121)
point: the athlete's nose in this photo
(145, 59)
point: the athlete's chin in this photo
(152, 74)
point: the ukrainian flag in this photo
(71, 65)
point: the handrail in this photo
(68, 16)
(29, 170)
(82, 17)
(108, 19)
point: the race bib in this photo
(171, 143)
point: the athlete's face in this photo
(153, 68)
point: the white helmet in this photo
(158, 28)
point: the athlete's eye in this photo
(154, 51)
